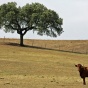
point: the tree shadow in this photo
(26, 46)
(12, 44)
(37, 47)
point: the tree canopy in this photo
(33, 16)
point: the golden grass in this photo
(33, 67)
(76, 46)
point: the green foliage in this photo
(8, 13)
(33, 16)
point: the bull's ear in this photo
(75, 65)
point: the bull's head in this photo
(79, 66)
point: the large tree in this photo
(33, 16)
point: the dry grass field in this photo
(40, 65)
(75, 46)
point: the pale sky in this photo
(73, 12)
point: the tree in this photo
(33, 16)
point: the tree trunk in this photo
(21, 39)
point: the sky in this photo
(73, 12)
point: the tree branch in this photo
(17, 24)
(27, 29)
(10, 26)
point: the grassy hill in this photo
(40, 65)
(75, 46)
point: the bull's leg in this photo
(84, 81)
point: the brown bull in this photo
(83, 71)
